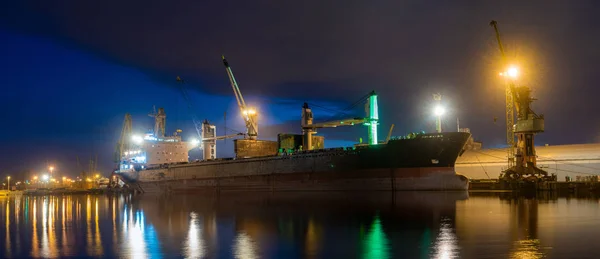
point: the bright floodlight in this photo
(439, 111)
(137, 139)
(45, 177)
(195, 141)
(251, 112)
(513, 72)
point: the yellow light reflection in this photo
(17, 238)
(48, 239)
(88, 224)
(97, 240)
(194, 245)
(52, 244)
(527, 249)
(313, 238)
(114, 218)
(34, 242)
(44, 228)
(7, 244)
(65, 239)
(244, 247)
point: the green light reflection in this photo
(376, 244)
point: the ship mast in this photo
(160, 121)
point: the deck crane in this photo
(206, 131)
(371, 120)
(249, 114)
(510, 134)
(209, 140)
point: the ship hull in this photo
(426, 163)
(402, 179)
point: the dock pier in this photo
(547, 186)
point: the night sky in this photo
(70, 70)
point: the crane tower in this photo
(523, 164)
(510, 134)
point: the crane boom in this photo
(248, 114)
(510, 135)
(224, 137)
(333, 124)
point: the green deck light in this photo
(373, 118)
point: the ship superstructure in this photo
(154, 148)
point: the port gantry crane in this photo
(124, 143)
(309, 128)
(523, 164)
(249, 114)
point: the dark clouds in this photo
(340, 50)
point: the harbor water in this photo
(300, 225)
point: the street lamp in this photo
(513, 72)
(438, 111)
(51, 169)
(8, 187)
(137, 139)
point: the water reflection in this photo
(7, 219)
(244, 247)
(446, 243)
(313, 238)
(194, 246)
(376, 244)
(524, 218)
(299, 225)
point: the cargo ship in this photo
(424, 161)
(295, 162)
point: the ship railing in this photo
(320, 152)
